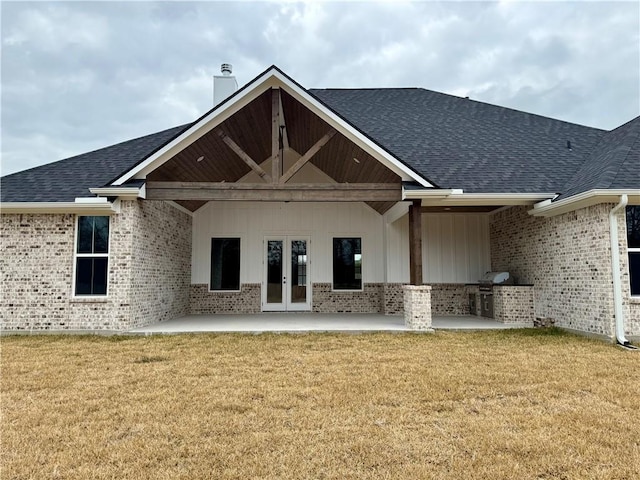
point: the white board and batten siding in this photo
(321, 222)
(455, 248)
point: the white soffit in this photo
(271, 78)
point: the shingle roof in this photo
(454, 142)
(67, 179)
(613, 163)
(461, 143)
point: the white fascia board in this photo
(582, 200)
(435, 193)
(346, 129)
(489, 199)
(120, 192)
(84, 208)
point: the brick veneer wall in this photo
(566, 258)
(513, 304)
(393, 301)
(449, 299)
(632, 319)
(36, 264)
(247, 300)
(324, 300)
(161, 254)
(446, 298)
(370, 300)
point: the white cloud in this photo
(55, 28)
(80, 75)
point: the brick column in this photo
(417, 307)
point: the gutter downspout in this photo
(615, 271)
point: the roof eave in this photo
(457, 197)
(81, 206)
(123, 193)
(547, 208)
(272, 77)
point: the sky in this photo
(78, 76)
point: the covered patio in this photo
(314, 322)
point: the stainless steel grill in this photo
(485, 287)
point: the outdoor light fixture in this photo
(200, 158)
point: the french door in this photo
(286, 274)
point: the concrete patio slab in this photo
(313, 322)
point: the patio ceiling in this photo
(244, 142)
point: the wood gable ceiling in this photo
(212, 158)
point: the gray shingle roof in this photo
(453, 142)
(67, 179)
(461, 143)
(613, 163)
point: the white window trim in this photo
(211, 261)
(629, 251)
(348, 235)
(77, 255)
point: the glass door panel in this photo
(286, 274)
(274, 271)
(298, 275)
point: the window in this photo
(633, 245)
(347, 264)
(92, 256)
(225, 264)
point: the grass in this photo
(492, 405)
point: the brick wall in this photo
(369, 300)
(393, 301)
(148, 276)
(37, 276)
(375, 298)
(513, 304)
(449, 299)
(566, 258)
(247, 300)
(161, 253)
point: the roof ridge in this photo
(631, 149)
(373, 88)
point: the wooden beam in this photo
(276, 151)
(415, 243)
(283, 123)
(307, 156)
(303, 192)
(243, 155)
